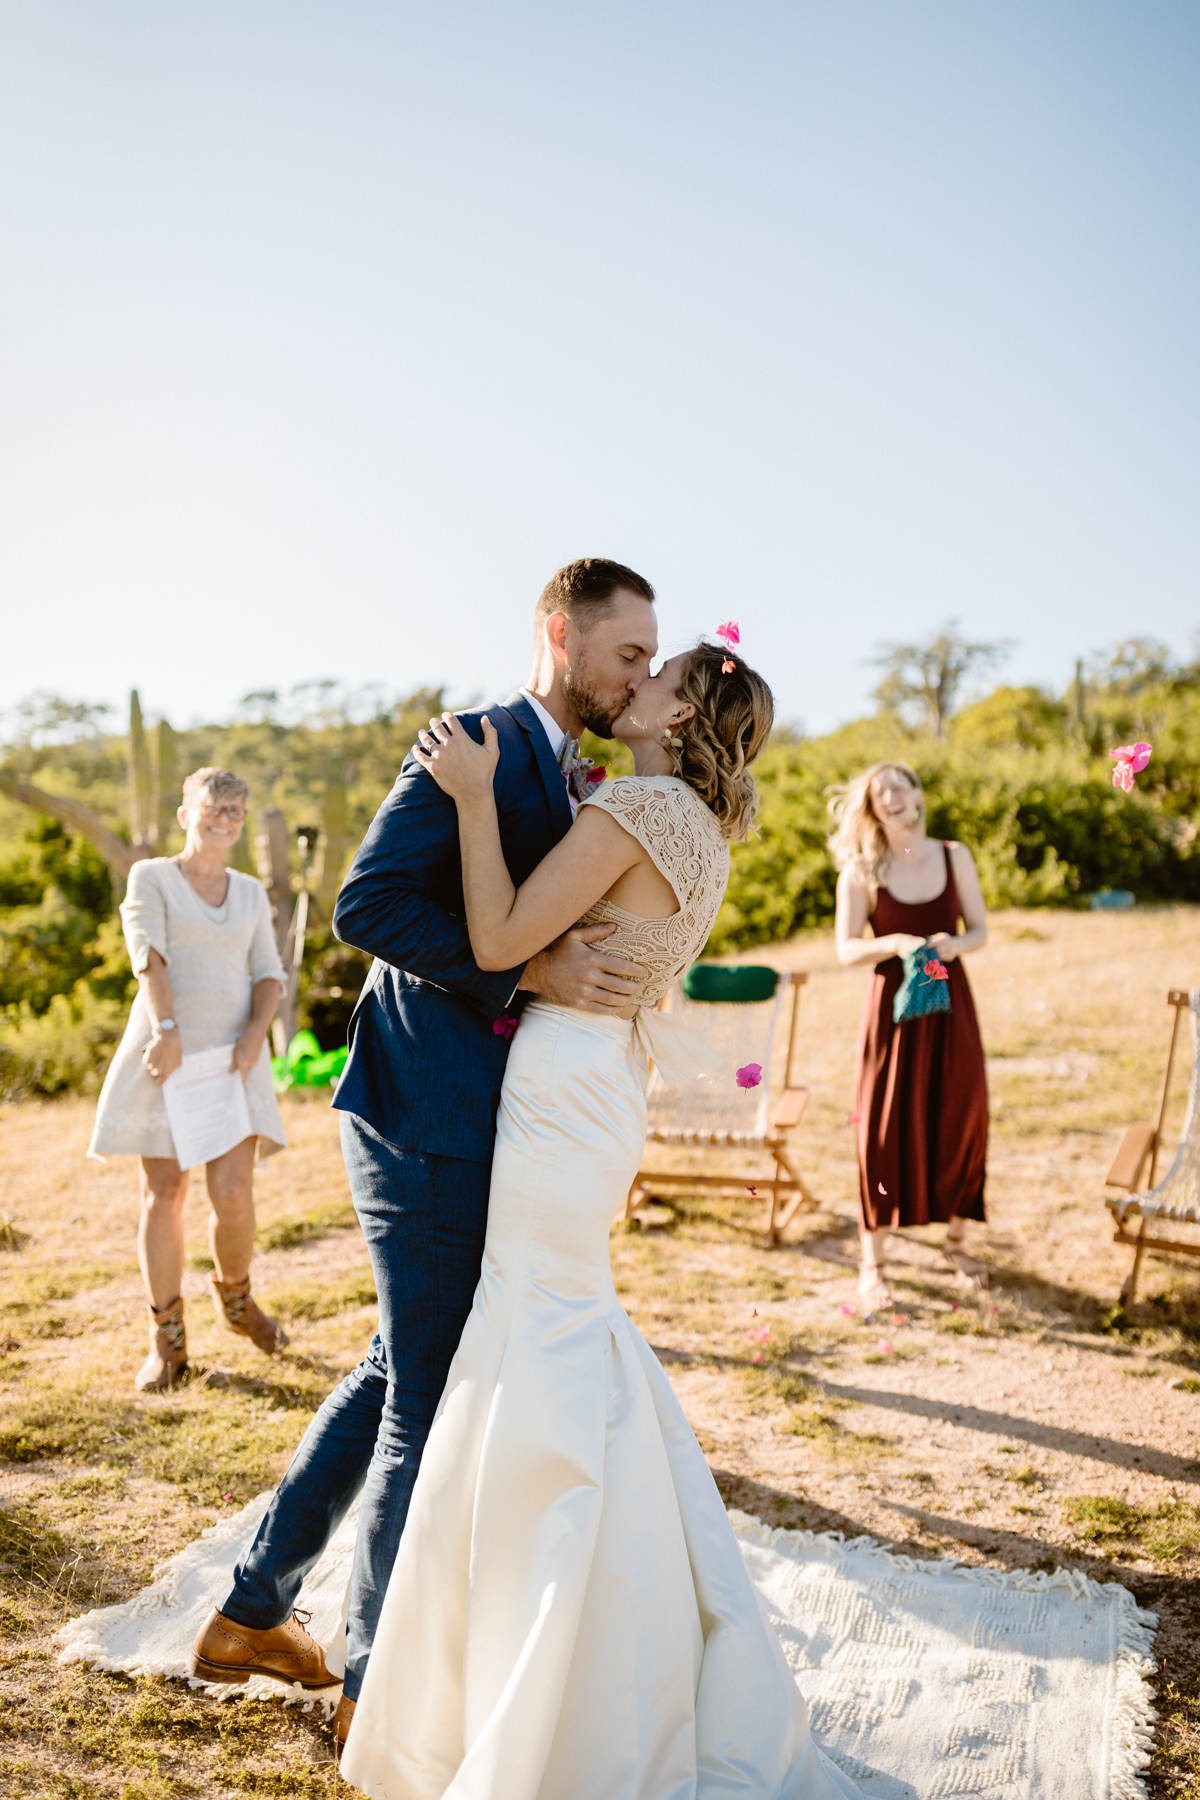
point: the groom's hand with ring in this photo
(576, 970)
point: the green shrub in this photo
(64, 1049)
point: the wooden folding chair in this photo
(1176, 1199)
(717, 1115)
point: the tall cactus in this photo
(333, 845)
(140, 823)
(166, 784)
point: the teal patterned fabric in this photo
(919, 993)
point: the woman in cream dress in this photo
(569, 1616)
(201, 945)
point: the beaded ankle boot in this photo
(168, 1350)
(244, 1316)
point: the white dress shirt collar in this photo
(550, 725)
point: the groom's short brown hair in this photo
(584, 590)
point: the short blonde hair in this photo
(859, 841)
(213, 784)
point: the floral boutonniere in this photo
(583, 776)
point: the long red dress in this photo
(922, 1087)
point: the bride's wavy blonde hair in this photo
(712, 750)
(858, 840)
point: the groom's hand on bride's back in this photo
(576, 970)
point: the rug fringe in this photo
(1131, 1742)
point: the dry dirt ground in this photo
(1025, 1427)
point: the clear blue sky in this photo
(329, 331)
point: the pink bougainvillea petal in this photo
(755, 1313)
(729, 633)
(596, 775)
(885, 1349)
(727, 667)
(881, 1188)
(752, 1190)
(504, 1026)
(749, 1075)
(853, 1118)
(757, 1357)
(1129, 760)
(847, 1312)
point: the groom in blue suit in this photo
(428, 1044)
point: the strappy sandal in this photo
(968, 1268)
(876, 1297)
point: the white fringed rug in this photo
(926, 1680)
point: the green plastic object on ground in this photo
(307, 1065)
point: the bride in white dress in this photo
(569, 1616)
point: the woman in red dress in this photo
(922, 1110)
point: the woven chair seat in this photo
(696, 1134)
(1145, 1206)
(749, 1013)
(1175, 1200)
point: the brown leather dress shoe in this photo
(225, 1651)
(341, 1722)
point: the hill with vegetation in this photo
(1021, 775)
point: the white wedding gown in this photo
(569, 1616)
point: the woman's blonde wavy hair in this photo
(712, 750)
(859, 840)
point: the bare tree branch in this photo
(119, 856)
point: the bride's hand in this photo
(461, 767)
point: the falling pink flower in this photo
(729, 634)
(757, 1336)
(1129, 760)
(881, 1188)
(755, 1310)
(847, 1312)
(937, 971)
(504, 1026)
(227, 1496)
(727, 667)
(852, 1118)
(752, 1190)
(757, 1357)
(596, 774)
(749, 1075)
(885, 1349)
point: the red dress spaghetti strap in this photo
(921, 1086)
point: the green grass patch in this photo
(1166, 1533)
(323, 1299)
(306, 1228)
(209, 1439)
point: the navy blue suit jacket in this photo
(425, 1064)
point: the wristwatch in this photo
(167, 1025)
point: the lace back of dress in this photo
(686, 845)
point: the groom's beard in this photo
(597, 712)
